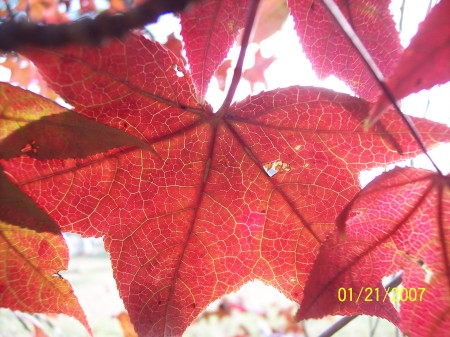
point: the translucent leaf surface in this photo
(29, 279)
(425, 62)
(247, 193)
(209, 29)
(398, 222)
(59, 133)
(331, 53)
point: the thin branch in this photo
(402, 14)
(394, 282)
(244, 44)
(15, 35)
(376, 73)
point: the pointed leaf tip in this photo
(29, 273)
(423, 64)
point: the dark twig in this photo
(402, 14)
(376, 73)
(244, 44)
(395, 282)
(16, 35)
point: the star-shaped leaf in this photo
(249, 192)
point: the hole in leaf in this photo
(276, 166)
(177, 70)
(428, 272)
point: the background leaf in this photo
(209, 29)
(425, 62)
(331, 53)
(29, 279)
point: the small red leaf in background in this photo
(87, 6)
(204, 217)
(221, 73)
(400, 221)
(424, 63)
(126, 325)
(209, 29)
(44, 11)
(331, 53)
(255, 74)
(175, 46)
(29, 279)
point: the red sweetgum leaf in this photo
(426, 61)
(255, 74)
(175, 46)
(332, 54)
(400, 221)
(59, 133)
(221, 73)
(17, 208)
(29, 279)
(209, 29)
(204, 217)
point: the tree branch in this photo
(16, 35)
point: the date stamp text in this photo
(373, 295)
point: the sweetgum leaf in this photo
(332, 54)
(59, 133)
(425, 63)
(29, 279)
(209, 30)
(204, 217)
(400, 221)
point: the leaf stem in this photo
(244, 44)
(394, 282)
(376, 73)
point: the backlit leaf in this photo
(209, 29)
(59, 133)
(29, 279)
(331, 53)
(204, 217)
(400, 221)
(425, 63)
